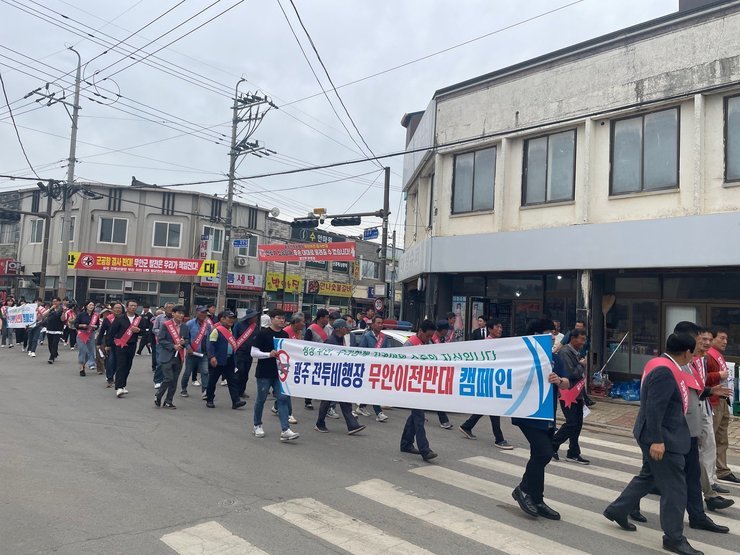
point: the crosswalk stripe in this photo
(629, 448)
(340, 529)
(209, 538)
(486, 531)
(502, 494)
(600, 471)
(588, 490)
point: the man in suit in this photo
(663, 434)
(174, 335)
(121, 339)
(481, 332)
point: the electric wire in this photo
(17, 133)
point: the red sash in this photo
(450, 337)
(415, 341)
(318, 330)
(123, 340)
(229, 337)
(110, 317)
(84, 335)
(569, 396)
(380, 341)
(683, 379)
(717, 356)
(246, 334)
(435, 339)
(175, 334)
(195, 344)
(699, 370)
(291, 332)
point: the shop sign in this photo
(299, 252)
(236, 280)
(9, 267)
(275, 282)
(329, 288)
(141, 264)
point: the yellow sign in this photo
(275, 282)
(334, 289)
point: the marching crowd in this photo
(681, 428)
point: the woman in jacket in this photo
(86, 323)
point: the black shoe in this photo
(82, 373)
(624, 524)
(157, 401)
(525, 502)
(590, 402)
(467, 433)
(709, 525)
(718, 503)
(637, 516)
(429, 455)
(169, 405)
(413, 450)
(719, 489)
(321, 428)
(359, 429)
(729, 478)
(555, 456)
(50, 361)
(579, 459)
(547, 512)
(238, 404)
(683, 547)
(308, 406)
(210, 405)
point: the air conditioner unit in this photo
(242, 261)
(26, 284)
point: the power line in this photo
(361, 195)
(17, 134)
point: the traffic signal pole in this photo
(386, 209)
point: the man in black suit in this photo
(663, 435)
(480, 332)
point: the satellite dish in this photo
(275, 212)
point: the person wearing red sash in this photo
(374, 338)
(296, 326)
(34, 330)
(317, 333)
(245, 330)
(122, 338)
(494, 330)
(173, 340)
(663, 430)
(196, 361)
(575, 371)
(69, 336)
(414, 430)
(86, 324)
(99, 352)
(717, 373)
(110, 361)
(222, 347)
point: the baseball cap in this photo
(339, 323)
(201, 309)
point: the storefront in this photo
(287, 300)
(243, 291)
(331, 295)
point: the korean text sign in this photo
(505, 377)
(297, 252)
(21, 316)
(142, 264)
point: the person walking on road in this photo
(174, 336)
(86, 324)
(317, 333)
(245, 330)
(122, 338)
(102, 343)
(54, 328)
(374, 338)
(196, 362)
(222, 347)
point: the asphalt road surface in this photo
(85, 472)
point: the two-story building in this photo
(600, 181)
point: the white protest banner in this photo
(505, 377)
(21, 316)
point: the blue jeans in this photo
(263, 388)
(110, 365)
(195, 365)
(33, 338)
(414, 429)
(86, 352)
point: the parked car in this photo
(397, 337)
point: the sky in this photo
(166, 118)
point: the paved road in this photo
(84, 472)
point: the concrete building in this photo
(599, 181)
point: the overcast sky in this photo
(355, 39)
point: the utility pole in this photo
(249, 108)
(45, 252)
(392, 294)
(67, 191)
(386, 210)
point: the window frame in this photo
(253, 240)
(9, 228)
(525, 172)
(642, 190)
(168, 224)
(472, 189)
(34, 223)
(726, 126)
(100, 227)
(222, 236)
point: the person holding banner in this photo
(316, 332)
(414, 428)
(54, 328)
(199, 329)
(122, 338)
(174, 336)
(7, 340)
(374, 338)
(222, 347)
(21, 333)
(86, 323)
(245, 330)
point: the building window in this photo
(644, 153)
(473, 181)
(72, 220)
(369, 269)
(166, 234)
(251, 251)
(732, 138)
(113, 230)
(37, 231)
(216, 237)
(35, 201)
(168, 204)
(549, 168)
(8, 233)
(252, 218)
(215, 209)
(114, 200)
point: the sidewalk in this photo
(619, 417)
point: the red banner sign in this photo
(9, 267)
(311, 252)
(141, 264)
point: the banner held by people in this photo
(505, 377)
(21, 316)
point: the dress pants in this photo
(214, 378)
(243, 364)
(721, 423)
(669, 475)
(124, 360)
(571, 430)
(110, 365)
(540, 454)
(53, 344)
(346, 412)
(707, 456)
(170, 371)
(414, 430)
(694, 499)
(498, 435)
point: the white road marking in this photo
(600, 471)
(340, 529)
(486, 531)
(209, 538)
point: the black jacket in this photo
(661, 418)
(480, 333)
(53, 320)
(118, 328)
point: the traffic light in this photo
(305, 223)
(349, 220)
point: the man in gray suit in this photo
(173, 336)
